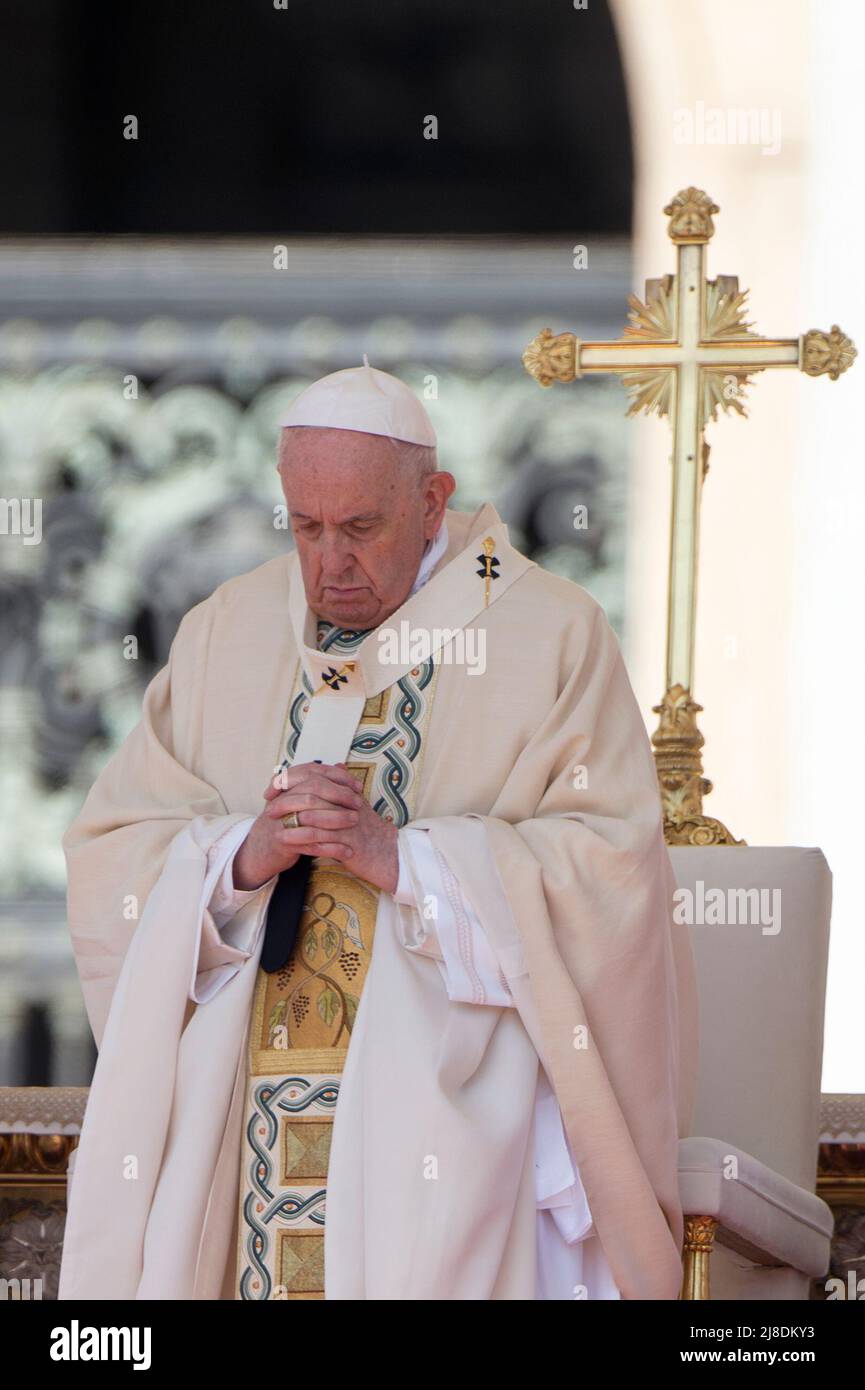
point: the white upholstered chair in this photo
(747, 1177)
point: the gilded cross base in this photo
(677, 742)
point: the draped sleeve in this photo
(116, 846)
(577, 899)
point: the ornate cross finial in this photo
(690, 214)
(830, 353)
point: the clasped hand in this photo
(336, 821)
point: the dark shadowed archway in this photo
(307, 119)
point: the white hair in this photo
(421, 457)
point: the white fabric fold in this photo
(158, 1085)
(472, 974)
(469, 966)
(405, 893)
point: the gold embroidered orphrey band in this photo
(302, 1015)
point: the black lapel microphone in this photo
(284, 913)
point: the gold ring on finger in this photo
(291, 821)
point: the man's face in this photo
(360, 521)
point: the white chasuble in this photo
(302, 1019)
(428, 1153)
(303, 1015)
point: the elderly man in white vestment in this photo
(456, 1063)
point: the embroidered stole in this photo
(303, 1015)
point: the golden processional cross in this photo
(686, 352)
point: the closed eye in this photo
(359, 528)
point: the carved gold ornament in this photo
(699, 1240)
(690, 214)
(551, 357)
(827, 354)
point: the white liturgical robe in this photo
(570, 1258)
(542, 1074)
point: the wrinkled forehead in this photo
(332, 474)
(329, 443)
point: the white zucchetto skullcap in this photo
(363, 399)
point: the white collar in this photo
(435, 548)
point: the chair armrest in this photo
(759, 1213)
